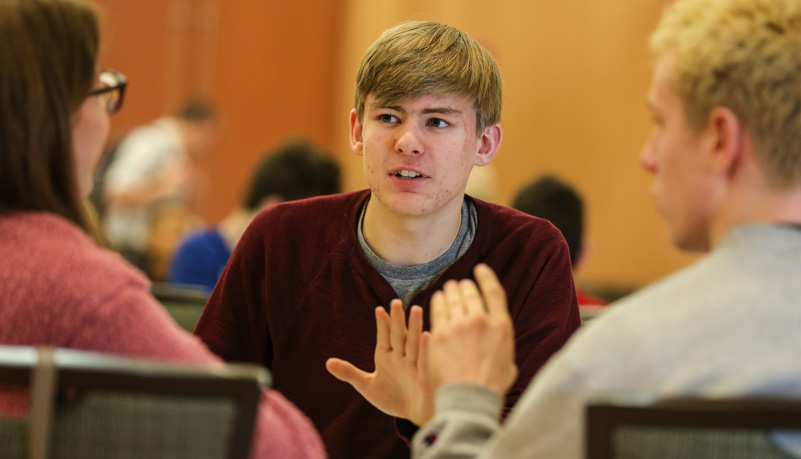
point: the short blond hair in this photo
(420, 57)
(744, 55)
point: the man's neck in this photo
(234, 225)
(410, 241)
(768, 205)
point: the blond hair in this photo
(744, 55)
(420, 57)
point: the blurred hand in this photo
(472, 337)
(398, 386)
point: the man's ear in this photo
(356, 143)
(489, 142)
(726, 140)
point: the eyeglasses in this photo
(113, 90)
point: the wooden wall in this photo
(575, 76)
(267, 64)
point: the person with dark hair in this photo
(557, 201)
(304, 281)
(295, 170)
(156, 166)
(58, 287)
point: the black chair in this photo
(184, 303)
(88, 405)
(687, 428)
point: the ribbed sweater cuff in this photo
(470, 398)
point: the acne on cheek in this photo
(440, 198)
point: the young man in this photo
(304, 281)
(726, 157)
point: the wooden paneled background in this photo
(575, 77)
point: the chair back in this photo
(690, 427)
(184, 303)
(88, 405)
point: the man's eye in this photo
(387, 118)
(437, 122)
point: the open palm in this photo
(399, 386)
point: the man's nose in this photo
(409, 141)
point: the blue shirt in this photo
(200, 259)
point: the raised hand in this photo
(398, 386)
(472, 337)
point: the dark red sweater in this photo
(298, 290)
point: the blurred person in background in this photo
(557, 201)
(171, 221)
(155, 167)
(58, 287)
(292, 171)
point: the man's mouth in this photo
(407, 175)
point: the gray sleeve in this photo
(466, 417)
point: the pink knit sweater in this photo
(58, 288)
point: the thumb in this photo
(347, 372)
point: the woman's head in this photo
(48, 60)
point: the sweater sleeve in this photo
(542, 303)
(467, 416)
(234, 322)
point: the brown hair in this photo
(48, 54)
(420, 57)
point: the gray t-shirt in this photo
(408, 281)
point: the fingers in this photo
(491, 288)
(458, 300)
(453, 299)
(392, 334)
(413, 333)
(397, 332)
(382, 326)
(472, 302)
(446, 305)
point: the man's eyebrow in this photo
(442, 111)
(379, 106)
(426, 111)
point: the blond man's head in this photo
(419, 57)
(744, 55)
